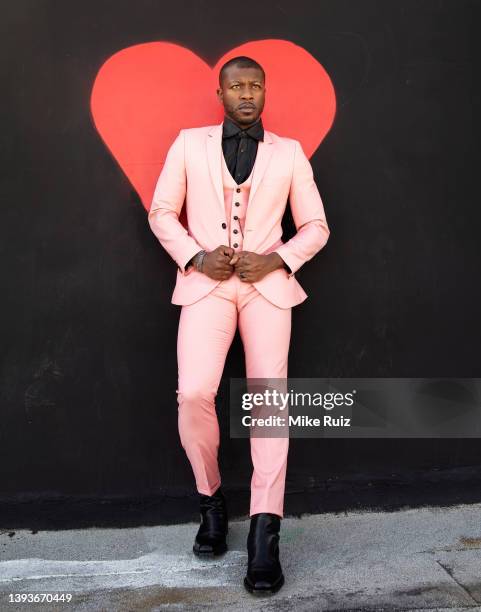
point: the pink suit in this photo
(245, 217)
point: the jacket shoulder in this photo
(197, 131)
(280, 138)
(283, 142)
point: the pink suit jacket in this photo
(192, 174)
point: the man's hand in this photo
(216, 263)
(251, 267)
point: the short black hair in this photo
(242, 61)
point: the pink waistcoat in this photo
(235, 201)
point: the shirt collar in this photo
(230, 128)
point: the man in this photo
(234, 269)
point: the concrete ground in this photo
(418, 559)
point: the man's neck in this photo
(243, 127)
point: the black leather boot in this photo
(264, 572)
(211, 537)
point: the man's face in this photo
(243, 94)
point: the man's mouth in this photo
(247, 107)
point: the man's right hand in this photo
(216, 263)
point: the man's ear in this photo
(219, 94)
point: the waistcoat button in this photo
(236, 217)
(238, 189)
(235, 245)
(224, 225)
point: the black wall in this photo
(88, 333)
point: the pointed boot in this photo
(211, 536)
(264, 571)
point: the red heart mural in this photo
(143, 95)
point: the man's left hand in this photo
(251, 267)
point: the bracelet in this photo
(199, 260)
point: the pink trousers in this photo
(206, 331)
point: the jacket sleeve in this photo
(307, 213)
(166, 206)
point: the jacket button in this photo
(235, 231)
(224, 225)
(235, 245)
(238, 189)
(236, 217)
(236, 204)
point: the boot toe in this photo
(209, 548)
(263, 584)
(203, 548)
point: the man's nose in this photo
(246, 95)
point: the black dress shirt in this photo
(240, 147)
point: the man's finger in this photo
(241, 257)
(234, 260)
(243, 264)
(227, 251)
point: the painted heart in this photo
(143, 95)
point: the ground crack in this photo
(449, 571)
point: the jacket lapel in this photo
(214, 159)
(264, 152)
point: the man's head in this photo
(242, 90)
